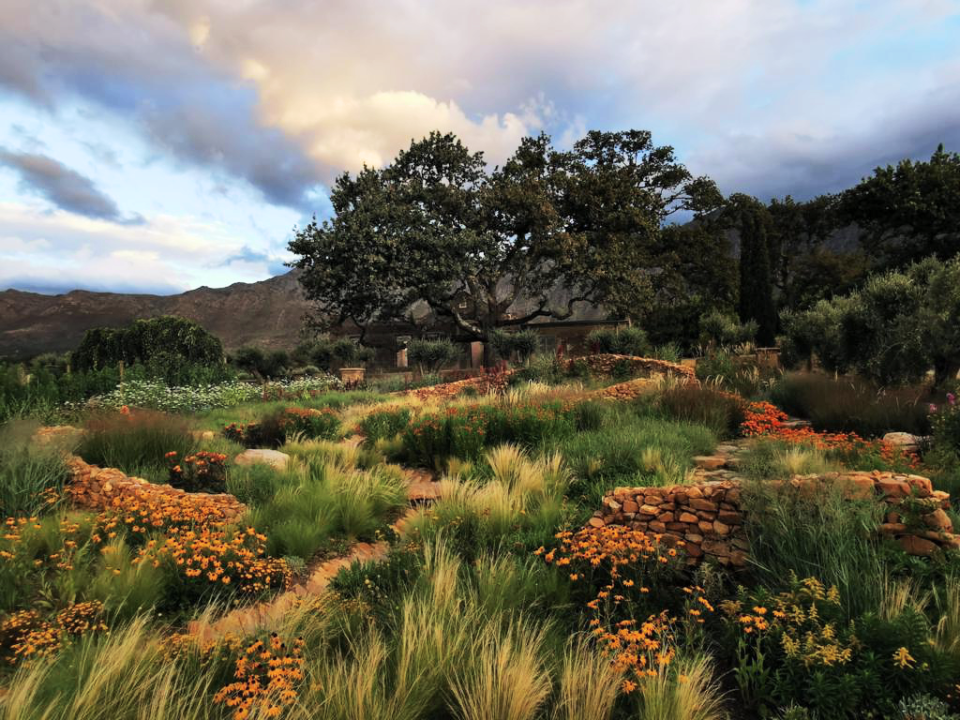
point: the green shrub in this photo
(852, 405)
(432, 355)
(622, 341)
(523, 343)
(276, 427)
(136, 443)
(465, 432)
(384, 424)
(721, 411)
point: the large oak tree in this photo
(491, 247)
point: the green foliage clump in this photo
(622, 341)
(522, 343)
(136, 443)
(467, 432)
(27, 471)
(432, 355)
(167, 347)
(722, 330)
(893, 330)
(852, 404)
(720, 411)
(384, 424)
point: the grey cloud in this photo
(64, 187)
(154, 77)
(803, 166)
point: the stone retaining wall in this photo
(95, 488)
(605, 364)
(709, 517)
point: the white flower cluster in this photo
(156, 395)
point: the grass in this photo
(135, 443)
(707, 405)
(463, 619)
(27, 469)
(217, 418)
(817, 533)
(846, 404)
(768, 459)
(321, 497)
(631, 449)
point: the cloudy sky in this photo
(159, 145)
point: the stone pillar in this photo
(476, 354)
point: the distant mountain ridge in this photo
(268, 313)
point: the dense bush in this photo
(721, 330)
(266, 364)
(167, 347)
(621, 341)
(893, 330)
(852, 405)
(331, 354)
(721, 411)
(283, 424)
(432, 355)
(465, 432)
(522, 343)
(384, 424)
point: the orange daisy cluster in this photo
(27, 635)
(639, 650)
(267, 676)
(195, 535)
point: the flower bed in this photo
(286, 423)
(157, 395)
(465, 432)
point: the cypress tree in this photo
(756, 284)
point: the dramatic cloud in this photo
(65, 188)
(769, 97)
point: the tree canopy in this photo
(165, 345)
(892, 330)
(486, 248)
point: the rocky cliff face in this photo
(267, 313)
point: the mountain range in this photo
(268, 313)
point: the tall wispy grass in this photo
(819, 533)
(27, 469)
(848, 404)
(135, 443)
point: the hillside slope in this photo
(268, 313)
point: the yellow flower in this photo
(903, 658)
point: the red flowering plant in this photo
(763, 419)
(200, 472)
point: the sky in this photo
(161, 145)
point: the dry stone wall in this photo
(607, 363)
(96, 488)
(709, 517)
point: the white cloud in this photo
(166, 254)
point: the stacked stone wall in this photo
(709, 517)
(95, 488)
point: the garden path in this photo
(422, 489)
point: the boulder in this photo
(903, 440)
(273, 458)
